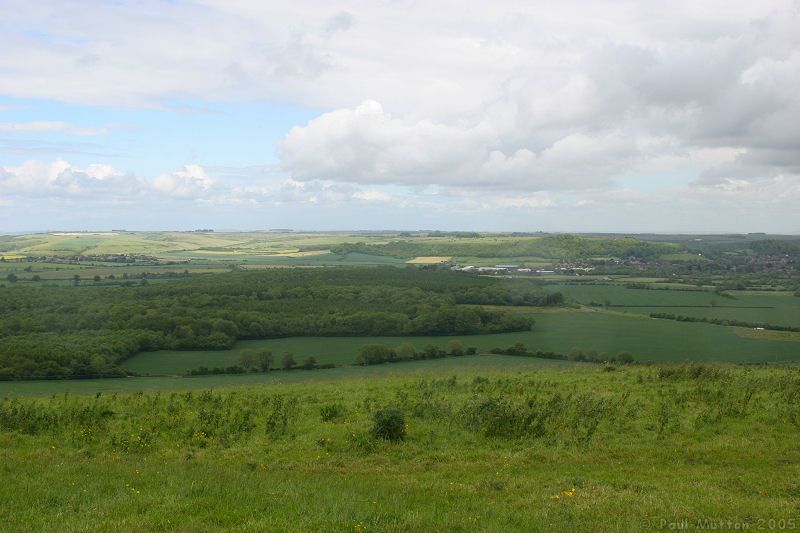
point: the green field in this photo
(781, 309)
(547, 448)
(493, 363)
(647, 339)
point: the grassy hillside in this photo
(569, 448)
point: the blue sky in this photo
(522, 116)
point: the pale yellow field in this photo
(12, 256)
(429, 260)
(307, 253)
(85, 234)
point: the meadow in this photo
(555, 447)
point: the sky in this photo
(567, 115)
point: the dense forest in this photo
(62, 331)
(551, 246)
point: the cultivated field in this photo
(562, 332)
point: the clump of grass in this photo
(389, 424)
(332, 411)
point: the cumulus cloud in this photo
(189, 182)
(103, 182)
(60, 178)
(367, 145)
(592, 101)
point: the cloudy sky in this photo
(534, 115)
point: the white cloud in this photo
(367, 145)
(60, 178)
(189, 182)
(581, 103)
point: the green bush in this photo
(389, 424)
(332, 411)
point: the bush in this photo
(332, 411)
(389, 424)
(625, 358)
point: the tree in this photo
(265, 360)
(309, 363)
(287, 361)
(431, 351)
(248, 359)
(373, 354)
(455, 347)
(405, 351)
(12, 278)
(97, 279)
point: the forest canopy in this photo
(62, 331)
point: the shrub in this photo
(624, 358)
(309, 363)
(332, 411)
(389, 424)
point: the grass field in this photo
(547, 448)
(779, 308)
(493, 363)
(647, 339)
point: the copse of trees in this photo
(58, 330)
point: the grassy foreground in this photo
(558, 448)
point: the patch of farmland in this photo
(646, 339)
(429, 260)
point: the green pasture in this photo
(758, 307)
(636, 449)
(647, 339)
(487, 363)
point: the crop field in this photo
(647, 339)
(780, 308)
(550, 448)
(158, 243)
(429, 260)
